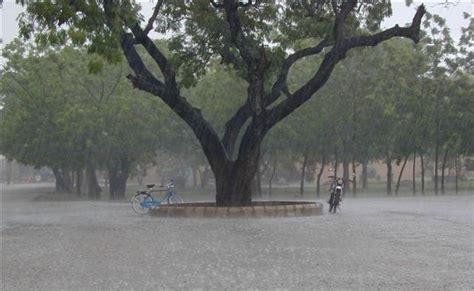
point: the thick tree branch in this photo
(237, 36)
(143, 80)
(160, 59)
(242, 115)
(337, 53)
(252, 138)
(168, 92)
(412, 32)
(346, 8)
(235, 123)
(281, 83)
(142, 74)
(152, 19)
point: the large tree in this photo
(256, 37)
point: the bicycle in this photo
(336, 192)
(143, 201)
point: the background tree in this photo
(57, 115)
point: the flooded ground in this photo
(373, 243)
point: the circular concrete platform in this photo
(257, 209)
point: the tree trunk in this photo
(59, 183)
(437, 137)
(414, 174)
(443, 167)
(141, 173)
(9, 172)
(73, 178)
(63, 180)
(400, 175)
(388, 162)
(234, 185)
(93, 188)
(422, 174)
(354, 178)
(118, 186)
(234, 179)
(118, 173)
(456, 171)
(68, 183)
(318, 181)
(272, 175)
(336, 161)
(345, 173)
(364, 174)
(78, 182)
(436, 168)
(303, 172)
(345, 170)
(259, 178)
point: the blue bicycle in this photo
(143, 201)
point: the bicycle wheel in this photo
(175, 199)
(142, 203)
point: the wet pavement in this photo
(373, 243)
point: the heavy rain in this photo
(236, 145)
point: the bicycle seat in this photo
(150, 186)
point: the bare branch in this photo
(152, 19)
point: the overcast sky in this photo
(401, 15)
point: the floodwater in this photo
(373, 243)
